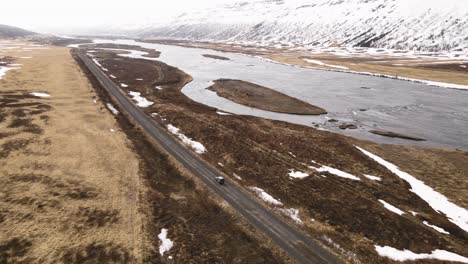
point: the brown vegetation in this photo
(346, 214)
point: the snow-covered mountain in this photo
(430, 25)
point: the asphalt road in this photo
(298, 245)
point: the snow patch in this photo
(372, 178)
(222, 113)
(196, 146)
(3, 71)
(437, 201)
(165, 243)
(292, 213)
(324, 64)
(112, 109)
(112, 76)
(438, 229)
(43, 95)
(123, 85)
(265, 196)
(237, 177)
(404, 255)
(336, 172)
(141, 101)
(297, 174)
(392, 208)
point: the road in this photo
(299, 246)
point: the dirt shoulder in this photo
(342, 213)
(257, 96)
(70, 184)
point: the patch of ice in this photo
(437, 201)
(112, 76)
(165, 243)
(336, 172)
(324, 64)
(392, 208)
(292, 213)
(265, 196)
(404, 255)
(141, 101)
(196, 146)
(158, 87)
(220, 164)
(297, 174)
(112, 109)
(373, 178)
(438, 229)
(123, 85)
(43, 95)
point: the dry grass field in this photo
(79, 185)
(69, 182)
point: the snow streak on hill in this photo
(426, 25)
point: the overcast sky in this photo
(54, 16)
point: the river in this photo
(439, 115)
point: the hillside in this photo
(396, 24)
(13, 32)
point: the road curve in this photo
(299, 246)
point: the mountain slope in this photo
(13, 32)
(429, 25)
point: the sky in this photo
(61, 16)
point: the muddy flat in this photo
(395, 135)
(257, 96)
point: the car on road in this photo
(220, 180)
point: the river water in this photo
(437, 114)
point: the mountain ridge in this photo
(393, 24)
(13, 32)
